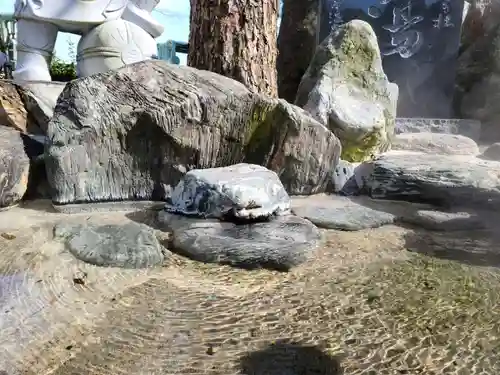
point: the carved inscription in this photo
(444, 18)
(419, 42)
(405, 41)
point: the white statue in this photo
(114, 33)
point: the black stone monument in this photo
(419, 41)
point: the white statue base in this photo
(113, 45)
(35, 46)
(114, 33)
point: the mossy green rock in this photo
(346, 89)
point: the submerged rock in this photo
(130, 245)
(279, 244)
(444, 221)
(361, 212)
(436, 143)
(342, 213)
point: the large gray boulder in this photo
(14, 167)
(345, 88)
(445, 180)
(132, 134)
(242, 192)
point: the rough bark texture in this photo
(296, 44)
(237, 39)
(134, 133)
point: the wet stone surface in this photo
(280, 244)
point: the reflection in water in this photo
(21, 305)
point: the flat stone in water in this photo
(444, 180)
(435, 143)
(466, 127)
(279, 244)
(342, 213)
(129, 245)
(444, 221)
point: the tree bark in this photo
(238, 39)
(296, 44)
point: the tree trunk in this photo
(236, 38)
(296, 44)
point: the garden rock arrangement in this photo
(255, 228)
(243, 179)
(346, 89)
(446, 170)
(133, 133)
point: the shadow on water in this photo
(290, 359)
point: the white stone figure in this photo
(39, 21)
(139, 12)
(113, 45)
